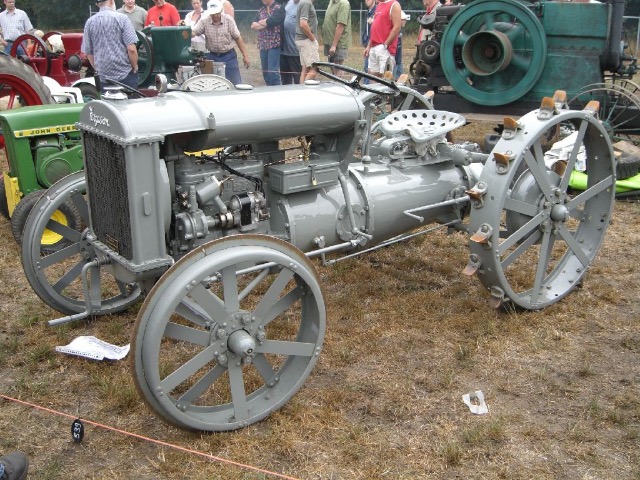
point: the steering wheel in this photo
(133, 91)
(359, 75)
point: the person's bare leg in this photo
(311, 74)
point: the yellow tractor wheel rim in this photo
(49, 237)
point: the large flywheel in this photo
(532, 239)
(493, 51)
(229, 333)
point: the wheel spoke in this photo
(230, 288)
(64, 231)
(543, 262)
(59, 256)
(521, 62)
(69, 277)
(238, 395)
(573, 245)
(187, 334)
(573, 156)
(280, 347)
(538, 170)
(264, 368)
(193, 312)
(406, 103)
(519, 234)
(520, 249)
(281, 305)
(255, 282)
(520, 207)
(488, 20)
(209, 302)
(201, 385)
(81, 205)
(273, 293)
(12, 98)
(591, 192)
(461, 39)
(188, 369)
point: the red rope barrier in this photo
(152, 440)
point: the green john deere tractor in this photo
(42, 145)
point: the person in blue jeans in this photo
(13, 23)
(290, 66)
(221, 36)
(109, 41)
(399, 67)
(269, 23)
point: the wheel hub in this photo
(559, 213)
(242, 344)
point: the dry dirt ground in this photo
(407, 336)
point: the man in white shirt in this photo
(13, 23)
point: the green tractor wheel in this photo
(67, 215)
(493, 51)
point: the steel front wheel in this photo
(229, 333)
(532, 240)
(57, 278)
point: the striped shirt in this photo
(220, 37)
(107, 35)
(13, 24)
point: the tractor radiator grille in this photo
(106, 172)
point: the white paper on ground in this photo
(92, 347)
(561, 151)
(475, 402)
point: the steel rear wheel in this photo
(532, 240)
(57, 277)
(229, 333)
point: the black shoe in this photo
(16, 465)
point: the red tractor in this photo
(57, 56)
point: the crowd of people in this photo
(287, 36)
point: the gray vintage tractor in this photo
(219, 246)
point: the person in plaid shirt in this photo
(13, 23)
(221, 36)
(269, 23)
